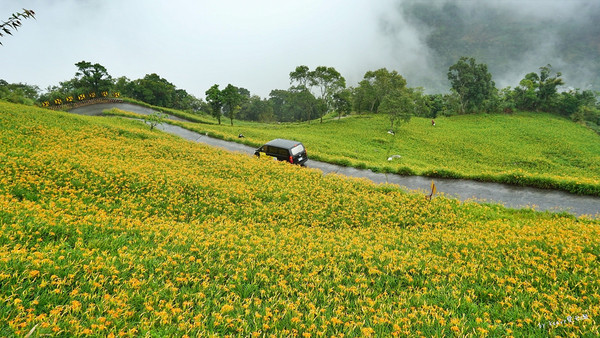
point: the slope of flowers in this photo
(527, 149)
(110, 229)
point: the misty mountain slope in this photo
(512, 38)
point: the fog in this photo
(256, 44)
(564, 34)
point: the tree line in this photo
(313, 93)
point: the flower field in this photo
(527, 149)
(108, 228)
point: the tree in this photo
(232, 100)
(539, 92)
(214, 97)
(363, 97)
(342, 102)
(14, 22)
(296, 104)
(299, 104)
(421, 102)
(155, 119)
(525, 95)
(278, 99)
(547, 89)
(123, 85)
(329, 81)
(154, 90)
(301, 76)
(435, 103)
(185, 101)
(302, 105)
(472, 82)
(19, 92)
(92, 78)
(60, 92)
(573, 103)
(376, 85)
(399, 105)
(257, 109)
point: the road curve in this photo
(485, 192)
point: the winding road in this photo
(483, 192)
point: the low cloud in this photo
(256, 44)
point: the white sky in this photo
(253, 44)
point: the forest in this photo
(323, 90)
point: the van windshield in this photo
(297, 150)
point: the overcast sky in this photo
(194, 44)
(253, 44)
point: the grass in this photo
(108, 228)
(526, 149)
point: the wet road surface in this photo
(507, 195)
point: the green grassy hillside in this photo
(108, 229)
(530, 149)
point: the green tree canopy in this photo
(472, 83)
(154, 90)
(232, 98)
(301, 76)
(92, 78)
(539, 92)
(399, 105)
(327, 80)
(257, 109)
(375, 86)
(214, 97)
(19, 92)
(342, 102)
(296, 104)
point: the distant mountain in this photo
(512, 40)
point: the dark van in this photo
(284, 150)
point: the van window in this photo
(276, 151)
(297, 150)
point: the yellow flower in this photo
(367, 331)
(226, 308)
(75, 305)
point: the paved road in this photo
(507, 195)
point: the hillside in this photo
(510, 38)
(528, 149)
(108, 228)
